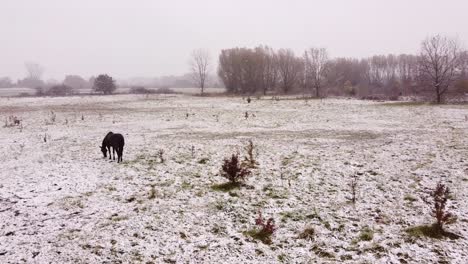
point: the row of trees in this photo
(102, 84)
(441, 66)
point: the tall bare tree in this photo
(34, 70)
(199, 65)
(439, 62)
(316, 66)
(289, 69)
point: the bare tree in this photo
(34, 70)
(289, 69)
(269, 74)
(439, 61)
(316, 65)
(199, 65)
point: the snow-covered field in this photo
(62, 202)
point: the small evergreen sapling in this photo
(233, 170)
(250, 158)
(441, 195)
(354, 188)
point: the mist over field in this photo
(233, 131)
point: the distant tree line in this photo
(440, 69)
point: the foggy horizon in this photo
(154, 38)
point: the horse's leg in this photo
(110, 153)
(120, 153)
(113, 151)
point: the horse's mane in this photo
(106, 138)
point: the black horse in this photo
(117, 142)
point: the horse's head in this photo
(104, 151)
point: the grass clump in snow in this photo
(226, 187)
(249, 160)
(307, 234)
(283, 258)
(410, 198)
(203, 160)
(322, 253)
(366, 234)
(294, 216)
(424, 231)
(432, 231)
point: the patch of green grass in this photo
(424, 231)
(282, 258)
(219, 205)
(274, 194)
(292, 215)
(431, 231)
(410, 198)
(366, 234)
(203, 160)
(186, 185)
(261, 235)
(322, 253)
(346, 257)
(226, 187)
(117, 218)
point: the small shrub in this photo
(250, 158)
(12, 121)
(233, 170)
(267, 228)
(354, 186)
(39, 91)
(140, 90)
(441, 195)
(164, 90)
(60, 90)
(160, 155)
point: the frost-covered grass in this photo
(61, 202)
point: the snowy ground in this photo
(61, 202)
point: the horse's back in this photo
(117, 140)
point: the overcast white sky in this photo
(150, 37)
